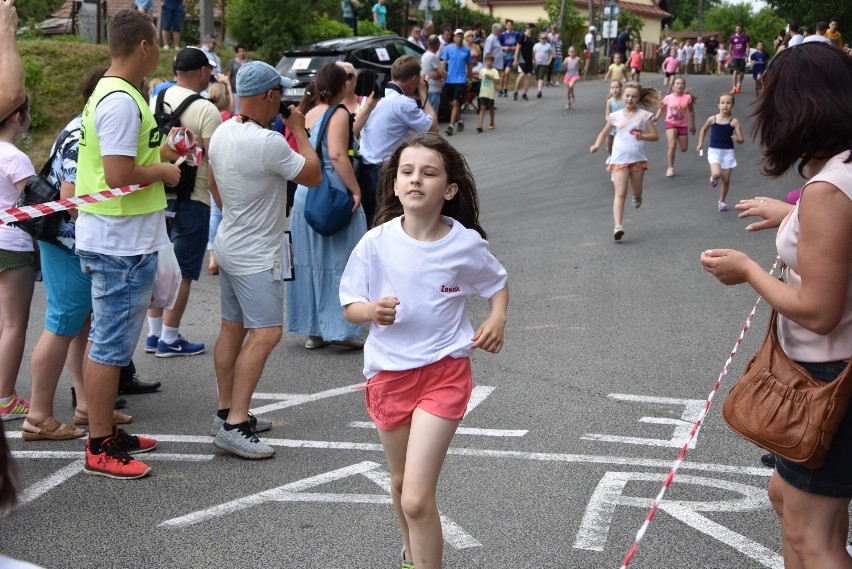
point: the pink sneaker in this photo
(17, 408)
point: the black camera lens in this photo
(284, 110)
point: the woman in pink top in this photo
(17, 264)
(815, 304)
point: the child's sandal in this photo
(479, 128)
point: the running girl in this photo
(616, 69)
(680, 114)
(633, 127)
(409, 277)
(636, 59)
(670, 66)
(724, 132)
(571, 65)
(614, 103)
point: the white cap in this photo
(592, 29)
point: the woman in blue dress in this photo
(313, 305)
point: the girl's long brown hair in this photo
(464, 207)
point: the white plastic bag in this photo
(167, 279)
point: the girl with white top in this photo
(814, 305)
(633, 126)
(409, 278)
(724, 130)
(572, 74)
(17, 264)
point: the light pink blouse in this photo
(799, 343)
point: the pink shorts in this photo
(442, 389)
(571, 79)
(682, 130)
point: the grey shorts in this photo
(255, 300)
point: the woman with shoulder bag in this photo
(313, 307)
(815, 304)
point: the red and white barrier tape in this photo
(692, 434)
(182, 141)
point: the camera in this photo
(284, 110)
(371, 82)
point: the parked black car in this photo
(369, 53)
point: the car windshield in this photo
(296, 65)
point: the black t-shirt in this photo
(622, 41)
(712, 45)
(526, 42)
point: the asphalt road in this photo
(611, 349)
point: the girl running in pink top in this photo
(680, 115)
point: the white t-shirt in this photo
(589, 42)
(816, 38)
(117, 124)
(432, 281)
(542, 52)
(625, 148)
(698, 51)
(14, 167)
(795, 40)
(251, 166)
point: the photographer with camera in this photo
(404, 109)
(249, 243)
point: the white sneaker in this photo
(618, 233)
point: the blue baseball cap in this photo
(257, 77)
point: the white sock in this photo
(155, 326)
(170, 335)
(7, 400)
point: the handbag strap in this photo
(322, 128)
(843, 384)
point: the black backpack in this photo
(165, 123)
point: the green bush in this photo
(368, 28)
(325, 28)
(34, 80)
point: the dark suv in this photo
(369, 53)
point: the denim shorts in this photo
(121, 293)
(68, 289)
(189, 230)
(255, 300)
(834, 477)
(172, 17)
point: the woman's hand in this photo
(729, 266)
(771, 210)
(357, 199)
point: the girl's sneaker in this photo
(723, 206)
(618, 233)
(713, 182)
(406, 564)
(17, 408)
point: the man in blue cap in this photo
(252, 165)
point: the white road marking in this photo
(459, 431)
(453, 533)
(458, 451)
(594, 528)
(682, 426)
(477, 396)
(292, 401)
(157, 456)
(46, 484)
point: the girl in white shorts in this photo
(724, 130)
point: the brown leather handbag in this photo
(777, 405)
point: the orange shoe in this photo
(739, 88)
(733, 91)
(113, 462)
(133, 444)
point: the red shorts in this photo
(587, 55)
(442, 389)
(682, 130)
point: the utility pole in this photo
(207, 25)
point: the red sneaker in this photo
(113, 462)
(133, 444)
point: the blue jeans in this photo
(215, 220)
(434, 100)
(121, 293)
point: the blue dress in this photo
(313, 298)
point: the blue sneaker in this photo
(151, 344)
(180, 347)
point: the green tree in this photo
(764, 27)
(34, 11)
(813, 12)
(572, 21)
(725, 18)
(685, 12)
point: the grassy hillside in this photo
(55, 71)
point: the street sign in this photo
(610, 29)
